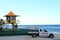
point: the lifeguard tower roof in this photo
(11, 17)
(10, 14)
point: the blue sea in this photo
(50, 28)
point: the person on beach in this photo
(16, 26)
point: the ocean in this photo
(50, 28)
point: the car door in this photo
(43, 32)
(40, 32)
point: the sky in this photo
(32, 12)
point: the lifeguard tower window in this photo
(8, 18)
(11, 18)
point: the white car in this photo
(40, 32)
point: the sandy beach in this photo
(57, 37)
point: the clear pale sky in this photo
(32, 11)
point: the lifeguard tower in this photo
(11, 19)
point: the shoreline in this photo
(25, 37)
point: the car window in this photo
(40, 30)
(45, 30)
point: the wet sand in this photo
(57, 37)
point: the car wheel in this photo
(34, 36)
(51, 36)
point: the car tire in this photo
(51, 36)
(34, 35)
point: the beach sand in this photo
(57, 37)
